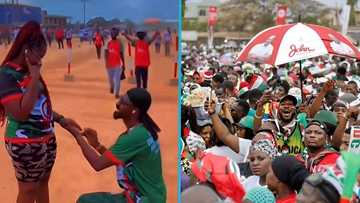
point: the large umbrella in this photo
(294, 42)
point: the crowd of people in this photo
(259, 133)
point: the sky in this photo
(330, 3)
(135, 10)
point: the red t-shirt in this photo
(59, 34)
(142, 55)
(98, 40)
(328, 160)
(114, 58)
(289, 199)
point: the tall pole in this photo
(301, 76)
(84, 11)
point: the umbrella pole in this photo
(301, 84)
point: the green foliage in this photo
(352, 4)
(195, 25)
(252, 16)
(183, 8)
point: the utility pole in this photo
(84, 9)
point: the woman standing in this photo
(25, 103)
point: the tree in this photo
(252, 16)
(97, 21)
(352, 4)
(183, 8)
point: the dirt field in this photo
(88, 101)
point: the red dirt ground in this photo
(88, 101)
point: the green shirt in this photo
(13, 84)
(138, 160)
(291, 142)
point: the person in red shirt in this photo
(142, 56)
(285, 177)
(114, 60)
(317, 156)
(60, 38)
(99, 42)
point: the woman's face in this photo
(35, 54)
(206, 134)
(259, 162)
(315, 136)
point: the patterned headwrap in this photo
(266, 146)
(195, 142)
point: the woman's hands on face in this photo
(33, 61)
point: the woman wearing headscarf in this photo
(136, 153)
(260, 156)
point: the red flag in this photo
(281, 14)
(212, 15)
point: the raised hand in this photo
(328, 86)
(210, 106)
(33, 62)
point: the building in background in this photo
(53, 21)
(13, 14)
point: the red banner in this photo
(281, 14)
(212, 15)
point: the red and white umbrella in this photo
(293, 42)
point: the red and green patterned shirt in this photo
(138, 162)
(13, 83)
